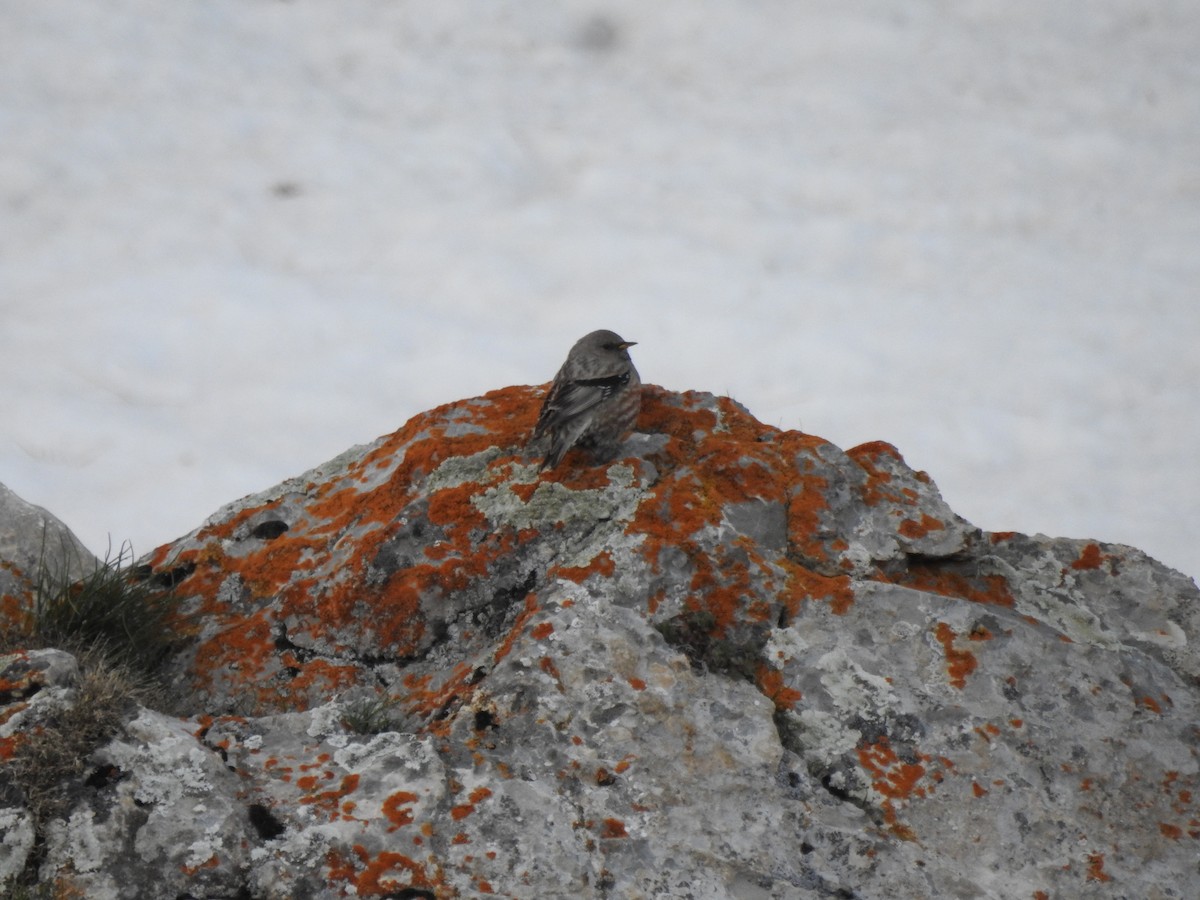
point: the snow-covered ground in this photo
(239, 236)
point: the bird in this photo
(594, 399)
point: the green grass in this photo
(126, 620)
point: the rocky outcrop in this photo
(34, 544)
(736, 662)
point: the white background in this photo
(239, 236)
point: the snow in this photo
(239, 236)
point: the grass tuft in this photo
(371, 715)
(130, 622)
(121, 630)
(52, 759)
(50, 767)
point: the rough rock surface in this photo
(30, 537)
(736, 662)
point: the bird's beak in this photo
(627, 344)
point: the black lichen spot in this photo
(269, 530)
(496, 615)
(411, 894)
(16, 695)
(103, 776)
(265, 822)
(167, 579)
(837, 791)
(484, 720)
(692, 633)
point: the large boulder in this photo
(735, 662)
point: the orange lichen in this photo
(8, 747)
(386, 871)
(721, 587)
(300, 574)
(914, 529)
(938, 579)
(473, 799)
(325, 677)
(426, 699)
(1090, 558)
(804, 584)
(897, 780)
(712, 465)
(959, 663)
(894, 778)
(524, 491)
(397, 808)
(987, 731)
(613, 828)
(872, 457)
(1096, 868)
(517, 629)
(16, 610)
(637, 684)
(211, 863)
(308, 782)
(867, 455)
(770, 682)
(806, 504)
(542, 631)
(664, 412)
(331, 800)
(1149, 703)
(602, 565)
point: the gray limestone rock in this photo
(31, 538)
(733, 663)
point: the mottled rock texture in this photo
(735, 662)
(33, 541)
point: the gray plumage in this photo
(594, 399)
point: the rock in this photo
(34, 684)
(29, 538)
(736, 662)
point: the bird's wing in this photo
(568, 399)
